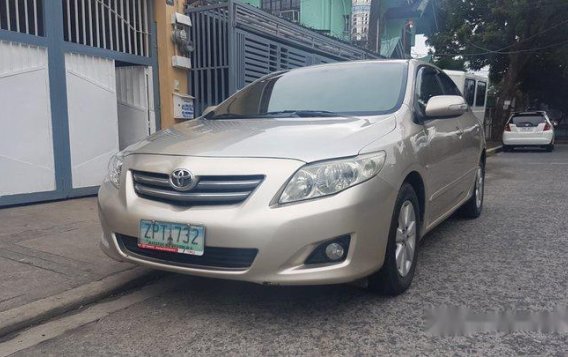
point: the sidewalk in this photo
(51, 250)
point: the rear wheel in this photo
(472, 208)
(507, 148)
(400, 259)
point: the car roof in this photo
(538, 112)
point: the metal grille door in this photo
(118, 25)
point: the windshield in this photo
(344, 88)
(527, 120)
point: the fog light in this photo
(334, 251)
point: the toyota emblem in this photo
(182, 180)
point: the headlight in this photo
(330, 177)
(115, 168)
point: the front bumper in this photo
(284, 235)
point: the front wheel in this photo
(400, 260)
(472, 208)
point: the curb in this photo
(494, 150)
(46, 308)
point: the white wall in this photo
(26, 142)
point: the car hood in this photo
(305, 139)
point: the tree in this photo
(456, 64)
(513, 37)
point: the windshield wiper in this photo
(305, 113)
(278, 114)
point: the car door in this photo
(444, 153)
(471, 138)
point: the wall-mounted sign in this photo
(183, 107)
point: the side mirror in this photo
(554, 123)
(208, 110)
(445, 106)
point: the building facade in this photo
(83, 79)
(389, 26)
(360, 17)
(330, 17)
(80, 80)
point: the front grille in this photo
(213, 257)
(210, 190)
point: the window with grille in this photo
(118, 25)
(24, 16)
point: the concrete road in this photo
(515, 256)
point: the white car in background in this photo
(528, 129)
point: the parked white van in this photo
(474, 90)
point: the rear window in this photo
(527, 120)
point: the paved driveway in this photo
(515, 256)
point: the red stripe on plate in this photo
(156, 247)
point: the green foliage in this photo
(457, 64)
(524, 42)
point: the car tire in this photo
(473, 207)
(396, 275)
(507, 148)
(550, 147)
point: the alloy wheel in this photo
(405, 238)
(479, 188)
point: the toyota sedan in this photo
(318, 175)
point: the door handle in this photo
(460, 132)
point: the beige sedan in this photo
(318, 175)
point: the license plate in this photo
(527, 129)
(172, 237)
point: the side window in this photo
(427, 86)
(481, 90)
(469, 91)
(449, 86)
